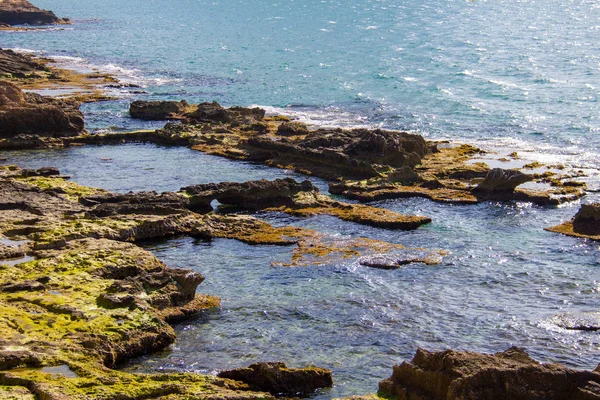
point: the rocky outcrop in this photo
(158, 110)
(214, 112)
(276, 378)
(30, 113)
(452, 375)
(18, 65)
(302, 199)
(587, 220)
(252, 195)
(501, 180)
(585, 224)
(20, 12)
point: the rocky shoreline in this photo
(79, 297)
(22, 12)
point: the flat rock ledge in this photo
(585, 224)
(279, 380)
(21, 12)
(512, 374)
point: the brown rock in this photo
(31, 113)
(277, 379)
(250, 195)
(157, 110)
(18, 65)
(501, 180)
(292, 129)
(19, 12)
(587, 219)
(452, 375)
(214, 112)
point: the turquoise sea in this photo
(505, 75)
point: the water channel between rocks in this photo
(503, 281)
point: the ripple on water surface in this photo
(137, 167)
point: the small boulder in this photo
(157, 110)
(502, 180)
(587, 219)
(277, 379)
(512, 374)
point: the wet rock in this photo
(20, 12)
(452, 375)
(585, 224)
(277, 379)
(44, 171)
(292, 129)
(149, 203)
(398, 259)
(584, 321)
(501, 180)
(404, 175)
(249, 195)
(157, 110)
(587, 219)
(214, 112)
(30, 113)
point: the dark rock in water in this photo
(30, 113)
(20, 12)
(250, 195)
(149, 203)
(584, 321)
(501, 180)
(587, 219)
(157, 110)
(214, 112)
(277, 379)
(292, 129)
(398, 259)
(453, 375)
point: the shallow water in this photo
(502, 283)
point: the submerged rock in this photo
(453, 375)
(30, 113)
(583, 321)
(20, 12)
(277, 379)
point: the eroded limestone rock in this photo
(453, 375)
(585, 224)
(29, 113)
(276, 378)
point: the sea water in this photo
(515, 75)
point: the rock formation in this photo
(157, 110)
(276, 378)
(585, 224)
(500, 180)
(452, 375)
(30, 113)
(20, 12)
